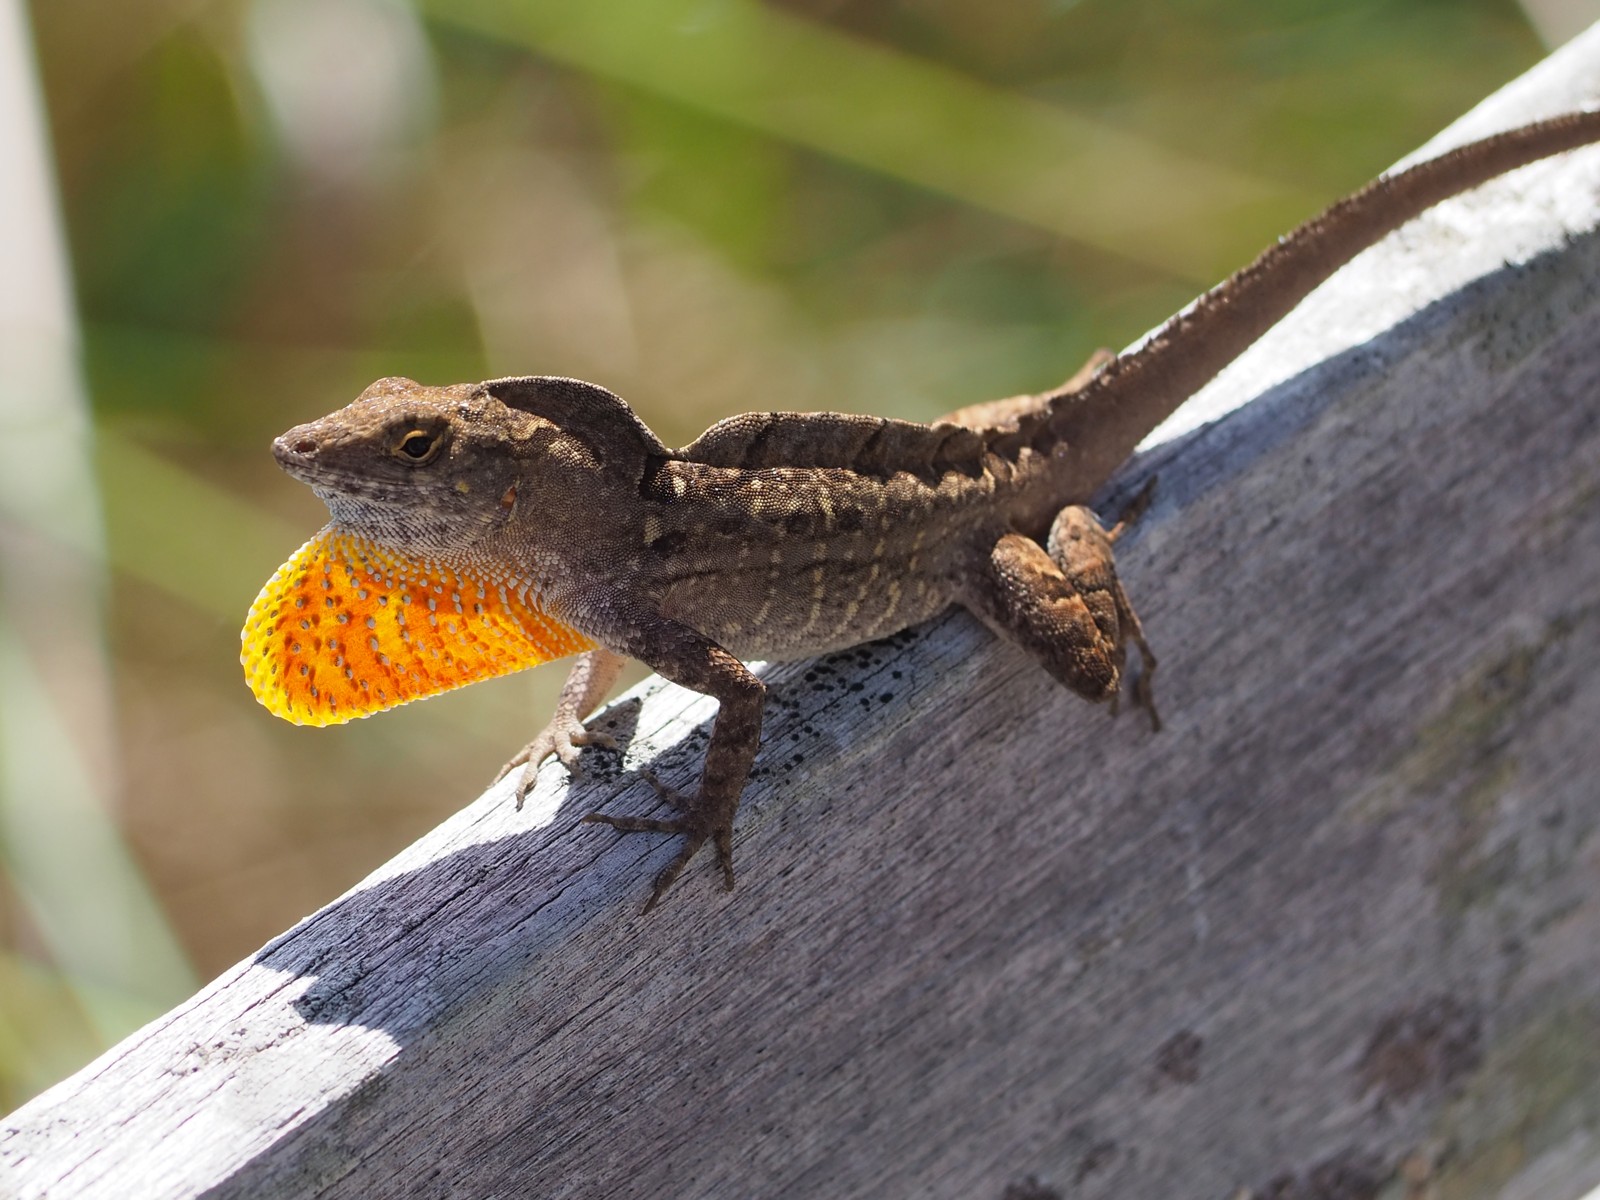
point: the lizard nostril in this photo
(295, 450)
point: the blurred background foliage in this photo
(896, 206)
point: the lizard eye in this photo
(418, 446)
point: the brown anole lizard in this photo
(481, 528)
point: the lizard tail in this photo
(1103, 421)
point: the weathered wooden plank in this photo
(1334, 928)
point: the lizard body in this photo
(480, 528)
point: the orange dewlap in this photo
(347, 628)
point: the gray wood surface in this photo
(1334, 933)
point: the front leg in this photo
(587, 683)
(694, 661)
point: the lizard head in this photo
(427, 577)
(441, 469)
(420, 468)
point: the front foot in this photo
(702, 821)
(564, 737)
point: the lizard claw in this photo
(564, 739)
(697, 827)
(1144, 696)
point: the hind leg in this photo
(1066, 607)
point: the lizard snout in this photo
(302, 453)
(297, 446)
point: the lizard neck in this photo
(1102, 422)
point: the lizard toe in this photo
(531, 755)
(696, 825)
(566, 741)
(693, 832)
(723, 837)
(526, 783)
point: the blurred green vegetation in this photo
(899, 206)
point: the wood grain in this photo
(1332, 932)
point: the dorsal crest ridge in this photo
(871, 445)
(581, 408)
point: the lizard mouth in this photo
(297, 448)
(301, 454)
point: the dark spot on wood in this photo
(1430, 1045)
(1029, 1188)
(1098, 1155)
(1347, 1176)
(1178, 1058)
